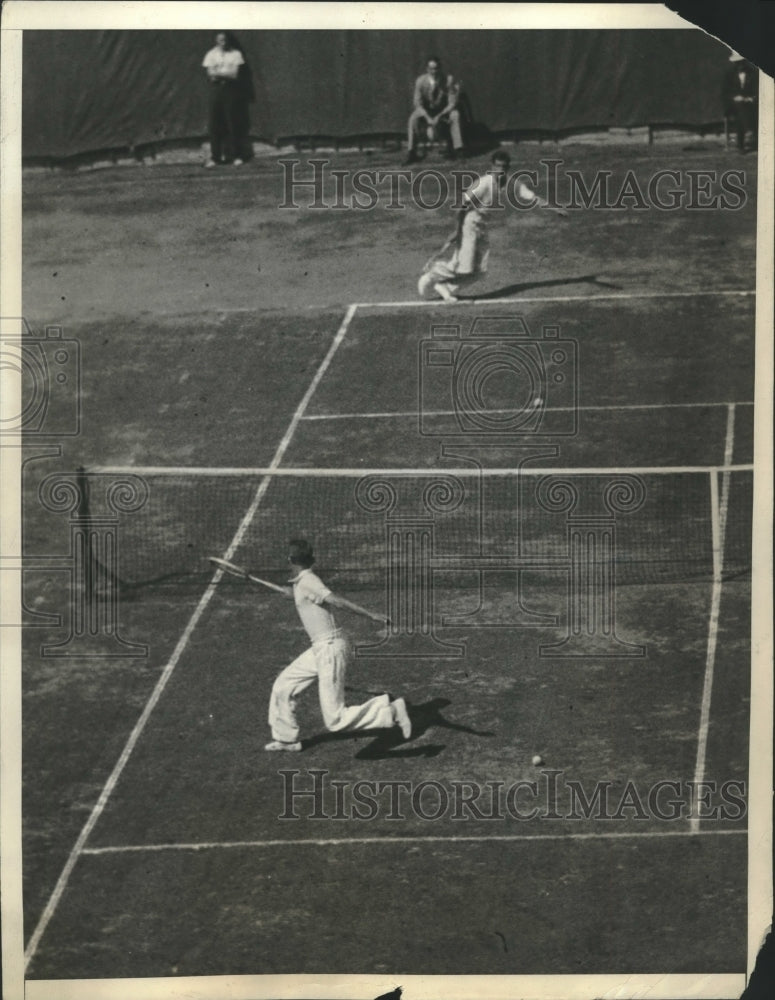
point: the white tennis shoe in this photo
(424, 286)
(402, 717)
(279, 745)
(444, 291)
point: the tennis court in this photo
(155, 844)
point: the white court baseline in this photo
(420, 840)
(517, 300)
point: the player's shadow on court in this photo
(525, 286)
(389, 743)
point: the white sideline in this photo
(134, 736)
(349, 841)
(719, 511)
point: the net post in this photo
(715, 524)
(81, 542)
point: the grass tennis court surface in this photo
(186, 868)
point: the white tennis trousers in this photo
(326, 660)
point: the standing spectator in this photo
(740, 94)
(246, 95)
(435, 102)
(222, 64)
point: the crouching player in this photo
(325, 661)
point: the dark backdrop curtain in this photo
(91, 90)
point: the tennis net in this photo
(660, 524)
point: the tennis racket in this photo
(452, 241)
(233, 570)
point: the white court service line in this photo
(554, 409)
(134, 736)
(349, 841)
(719, 525)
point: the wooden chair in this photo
(429, 138)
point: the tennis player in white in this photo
(325, 661)
(463, 258)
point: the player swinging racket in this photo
(463, 258)
(325, 661)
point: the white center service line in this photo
(134, 736)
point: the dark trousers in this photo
(223, 120)
(744, 119)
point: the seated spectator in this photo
(435, 103)
(740, 95)
(222, 64)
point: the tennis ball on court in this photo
(538, 402)
(538, 759)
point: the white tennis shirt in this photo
(223, 61)
(486, 194)
(309, 592)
